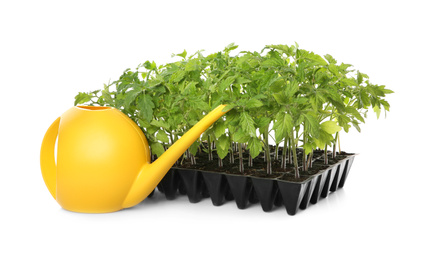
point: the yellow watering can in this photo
(103, 159)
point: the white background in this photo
(51, 50)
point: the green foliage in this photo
(282, 91)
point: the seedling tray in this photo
(245, 190)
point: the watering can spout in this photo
(151, 174)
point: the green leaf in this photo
(146, 106)
(351, 110)
(183, 54)
(81, 98)
(387, 91)
(291, 88)
(223, 145)
(228, 108)
(131, 96)
(312, 125)
(278, 97)
(192, 65)
(377, 110)
(359, 78)
(240, 137)
(308, 148)
(107, 96)
(150, 65)
(247, 124)
(356, 125)
(323, 139)
(262, 122)
(330, 127)
(333, 68)
(160, 123)
(219, 128)
(226, 83)
(254, 146)
(283, 126)
(230, 47)
(193, 149)
(316, 58)
(162, 136)
(241, 80)
(157, 148)
(253, 103)
(177, 76)
(330, 59)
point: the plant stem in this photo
(305, 165)
(192, 159)
(209, 148)
(338, 140)
(311, 155)
(295, 157)
(335, 146)
(283, 159)
(231, 157)
(250, 161)
(288, 151)
(276, 152)
(325, 155)
(267, 151)
(241, 167)
(220, 162)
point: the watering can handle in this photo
(48, 164)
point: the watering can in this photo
(103, 159)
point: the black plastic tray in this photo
(246, 190)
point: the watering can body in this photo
(103, 159)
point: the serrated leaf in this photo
(226, 83)
(162, 136)
(330, 59)
(193, 149)
(312, 125)
(283, 126)
(355, 113)
(241, 80)
(278, 97)
(254, 147)
(359, 78)
(107, 96)
(223, 145)
(160, 123)
(253, 103)
(228, 108)
(330, 127)
(240, 137)
(219, 129)
(356, 125)
(81, 98)
(316, 58)
(308, 148)
(230, 47)
(262, 122)
(192, 65)
(333, 68)
(157, 148)
(247, 124)
(291, 88)
(323, 139)
(146, 106)
(177, 76)
(131, 96)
